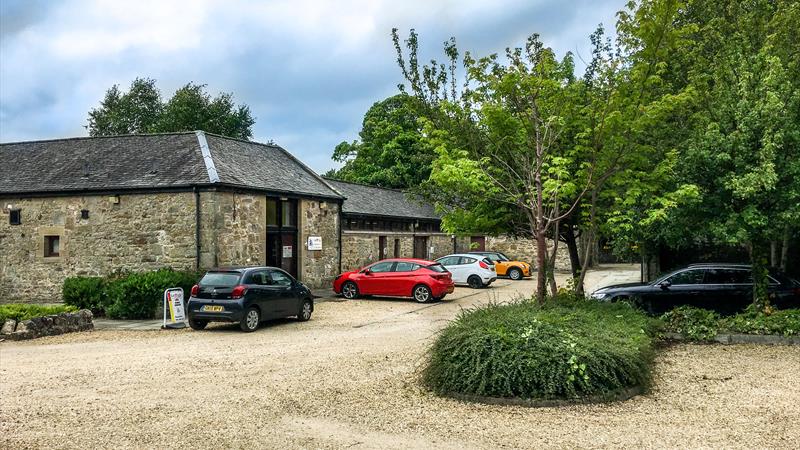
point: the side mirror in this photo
(665, 284)
(367, 272)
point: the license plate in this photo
(212, 308)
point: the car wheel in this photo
(475, 282)
(250, 320)
(514, 273)
(349, 290)
(305, 311)
(422, 294)
(198, 324)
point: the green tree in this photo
(390, 152)
(141, 110)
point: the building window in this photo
(289, 213)
(15, 217)
(84, 214)
(272, 212)
(52, 246)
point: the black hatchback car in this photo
(724, 288)
(248, 296)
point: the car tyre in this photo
(474, 282)
(422, 293)
(250, 320)
(197, 324)
(514, 273)
(349, 290)
(305, 311)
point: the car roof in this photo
(424, 262)
(730, 265)
(467, 255)
(240, 268)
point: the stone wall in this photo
(232, 229)
(47, 325)
(135, 232)
(318, 268)
(524, 249)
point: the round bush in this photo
(554, 351)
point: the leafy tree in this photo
(141, 110)
(391, 152)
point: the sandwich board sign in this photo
(174, 315)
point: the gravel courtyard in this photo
(347, 379)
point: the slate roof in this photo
(377, 201)
(151, 161)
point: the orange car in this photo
(516, 270)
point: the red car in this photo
(423, 280)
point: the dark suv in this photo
(248, 296)
(725, 288)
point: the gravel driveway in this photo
(347, 378)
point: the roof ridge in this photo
(365, 185)
(78, 138)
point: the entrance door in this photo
(382, 247)
(282, 251)
(421, 247)
(477, 243)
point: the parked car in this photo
(417, 278)
(516, 270)
(249, 296)
(475, 271)
(725, 288)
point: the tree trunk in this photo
(758, 257)
(785, 247)
(551, 263)
(541, 262)
(773, 253)
(572, 247)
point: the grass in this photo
(21, 311)
(565, 349)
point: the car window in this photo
(220, 279)
(382, 267)
(403, 266)
(279, 278)
(466, 260)
(258, 277)
(502, 257)
(448, 261)
(488, 261)
(437, 268)
(728, 276)
(687, 277)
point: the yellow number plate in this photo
(213, 308)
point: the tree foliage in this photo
(141, 110)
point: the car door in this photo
(373, 279)
(727, 290)
(282, 287)
(681, 288)
(257, 282)
(466, 267)
(403, 278)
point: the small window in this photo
(272, 212)
(448, 261)
(279, 278)
(382, 267)
(15, 217)
(403, 266)
(52, 246)
(465, 260)
(258, 277)
(687, 277)
(84, 214)
(288, 213)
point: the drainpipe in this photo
(340, 237)
(196, 227)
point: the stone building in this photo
(93, 206)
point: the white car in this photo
(475, 271)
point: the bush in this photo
(560, 350)
(693, 323)
(85, 293)
(20, 311)
(784, 322)
(138, 295)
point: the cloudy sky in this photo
(308, 69)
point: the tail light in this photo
(483, 265)
(195, 290)
(441, 276)
(238, 291)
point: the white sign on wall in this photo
(314, 243)
(287, 251)
(173, 302)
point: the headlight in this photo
(598, 295)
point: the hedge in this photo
(564, 349)
(126, 296)
(702, 325)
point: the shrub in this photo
(560, 350)
(693, 323)
(753, 321)
(138, 295)
(21, 311)
(85, 293)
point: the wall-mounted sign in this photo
(287, 251)
(315, 243)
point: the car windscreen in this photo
(220, 279)
(437, 268)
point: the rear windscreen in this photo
(437, 268)
(220, 279)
